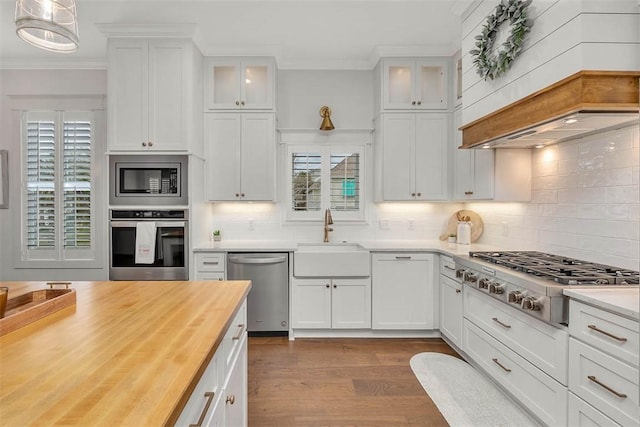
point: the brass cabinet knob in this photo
(237, 102)
(231, 399)
(419, 194)
(237, 194)
(413, 194)
(241, 194)
(458, 291)
(144, 144)
(335, 286)
(413, 103)
(150, 144)
(242, 103)
(419, 102)
(327, 286)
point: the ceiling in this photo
(301, 34)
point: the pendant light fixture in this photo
(48, 24)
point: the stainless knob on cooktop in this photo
(531, 303)
(496, 288)
(515, 296)
(483, 283)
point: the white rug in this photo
(463, 395)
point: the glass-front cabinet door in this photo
(232, 84)
(415, 84)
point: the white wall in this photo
(40, 83)
(567, 36)
(585, 202)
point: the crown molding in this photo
(54, 64)
(185, 30)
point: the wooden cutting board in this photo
(477, 226)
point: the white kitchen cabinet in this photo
(210, 266)
(240, 161)
(220, 397)
(414, 84)
(603, 365)
(331, 303)
(235, 390)
(411, 156)
(451, 310)
(473, 173)
(233, 83)
(152, 88)
(403, 294)
(541, 394)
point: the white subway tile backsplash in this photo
(581, 195)
(544, 196)
(622, 194)
(585, 202)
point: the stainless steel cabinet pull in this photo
(231, 399)
(209, 395)
(403, 257)
(241, 102)
(458, 291)
(240, 331)
(237, 102)
(610, 335)
(449, 268)
(504, 325)
(419, 194)
(419, 103)
(144, 144)
(501, 365)
(606, 387)
(413, 103)
(211, 262)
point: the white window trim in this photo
(93, 104)
(325, 150)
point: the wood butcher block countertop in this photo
(127, 354)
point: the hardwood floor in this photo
(339, 382)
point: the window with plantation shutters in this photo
(58, 199)
(325, 177)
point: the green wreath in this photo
(492, 64)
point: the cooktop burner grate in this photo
(563, 270)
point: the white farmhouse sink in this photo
(331, 260)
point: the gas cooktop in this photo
(560, 269)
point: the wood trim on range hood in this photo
(583, 92)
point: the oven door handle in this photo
(132, 224)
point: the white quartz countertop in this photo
(622, 301)
(433, 245)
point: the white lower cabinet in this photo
(451, 310)
(220, 397)
(331, 303)
(540, 343)
(404, 295)
(581, 414)
(209, 266)
(603, 367)
(541, 394)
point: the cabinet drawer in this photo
(543, 345)
(210, 262)
(538, 392)
(605, 331)
(447, 267)
(210, 275)
(581, 414)
(605, 382)
(232, 339)
(207, 393)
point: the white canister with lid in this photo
(464, 232)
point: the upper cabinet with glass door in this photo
(239, 83)
(414, 84)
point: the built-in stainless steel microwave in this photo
(148, 180)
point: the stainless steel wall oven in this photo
(147, 180)
(168, 259)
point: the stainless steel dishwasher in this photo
(268, 300)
